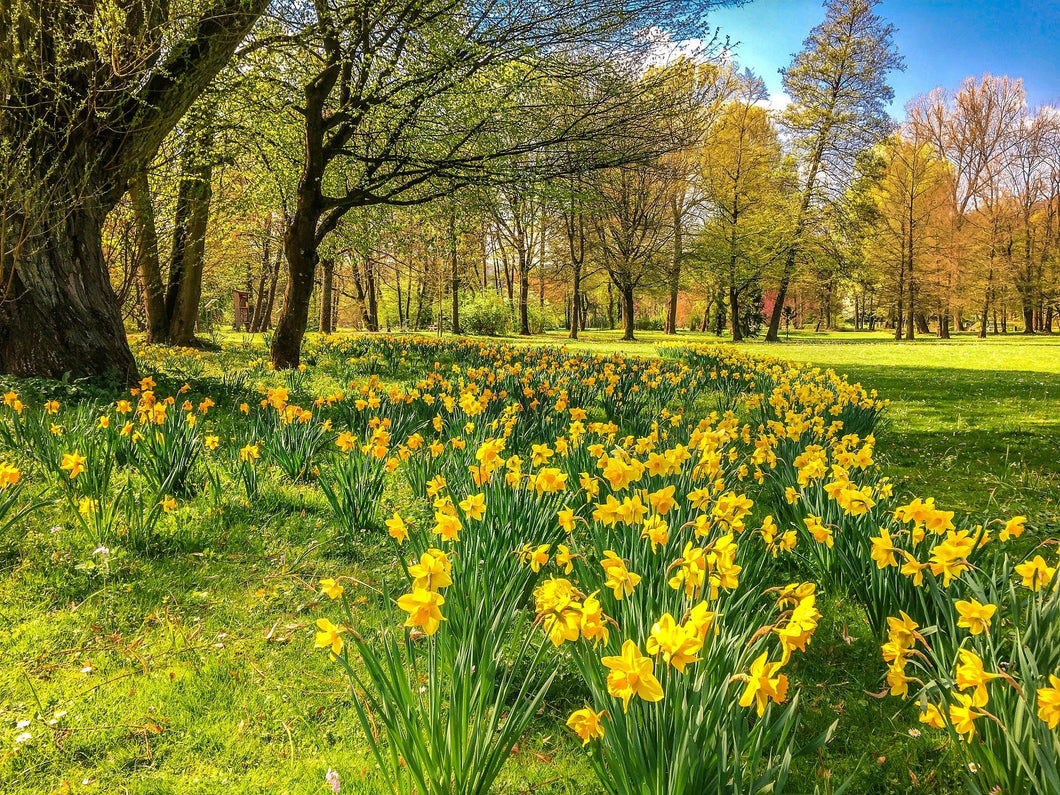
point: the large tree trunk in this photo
(1028, 318)
(301, 240)
(301, 251)
(148, 265)
(61, 315)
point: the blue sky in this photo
(943, 41)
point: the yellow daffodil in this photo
(631, 675)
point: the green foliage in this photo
(352, 485)
(487, 314)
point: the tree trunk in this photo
(302, 257)
(575, 313)
(986, 310)
(454, 272)
(154, 294)
(266, 267)
(791, 255)
(373, 294)
(61, 315)
(524, 292)
(627, 312)
(773, 333)
(327, 283)
(675, 272)
(1028, 318)
(189, 232)
(274, 280)
(734, 309)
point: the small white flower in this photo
(972, 766)
(87, 669)
(332, 780)
(22, 723)
(914, 732)
(100, 551)
(25, 737)
(55, 529)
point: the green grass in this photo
(190, 671)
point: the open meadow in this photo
(483, 566)
(320, 474)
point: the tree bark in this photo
(524, 292)
(675, 272)
(61, 315)
(189, 232)
(327, 325)
(266, 267)
(300, 242)
(154, 294)
(627, 312)
(302, 258)
(734, 309)
(454, 273)
(575, 313)
(373, 293)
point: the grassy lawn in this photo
(190, 670)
